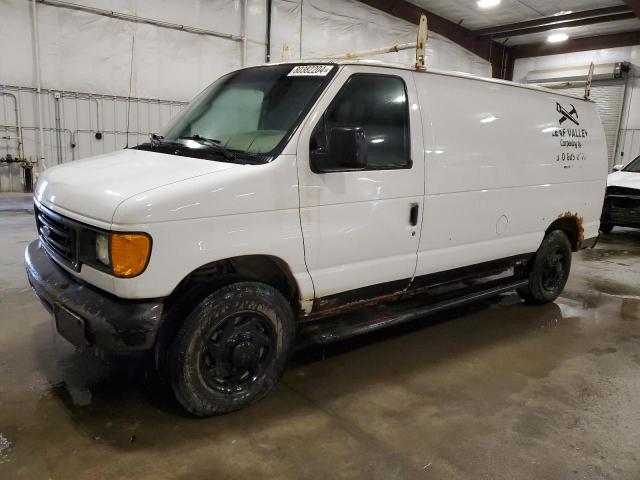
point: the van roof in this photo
(402, 66)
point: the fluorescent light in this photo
(557, 37)
(488, 3)
(490, 119)
(562, 12)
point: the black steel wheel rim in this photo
(554, 270)
(237, 352)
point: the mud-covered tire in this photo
(550, 271)
(606, 228)
(245, 325)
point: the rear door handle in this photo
(413, 214)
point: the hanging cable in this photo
(133, 42)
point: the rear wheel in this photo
(231, 349)
(550, 270)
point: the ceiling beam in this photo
(577, 45)
(492, 51)
(576, 23)
(589, 17)
(634, 5)
(411, 13)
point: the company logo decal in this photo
(571, 140)
(571, 115)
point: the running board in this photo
(370, 319)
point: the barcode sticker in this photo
(310, 71)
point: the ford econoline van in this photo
(288, 199)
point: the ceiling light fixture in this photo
(562, 12)
(488, 3)
(557, 37)
(490, 119)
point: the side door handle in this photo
(413, 214)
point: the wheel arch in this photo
(260, 268)
(572, 225)
(199, 283)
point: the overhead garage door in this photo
(609, 97)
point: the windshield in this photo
(633, 166)
(252, 110)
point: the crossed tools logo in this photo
(571, 115)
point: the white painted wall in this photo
(323, 27)
(84, 52)
(629, 140)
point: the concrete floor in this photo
(498, 390)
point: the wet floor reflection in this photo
(121, 402)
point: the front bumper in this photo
(622, 210)
(87, 316)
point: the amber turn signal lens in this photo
(129, 253)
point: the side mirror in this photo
(347, 151)
(348, 148)
(617, 168)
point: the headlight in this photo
(129, 253)
(124, 255)
(102, 248)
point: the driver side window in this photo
(378, 105)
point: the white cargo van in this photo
(287, 197)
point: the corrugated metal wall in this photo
(629, 145)
(629, 139)
(71, 122)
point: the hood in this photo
(624, 179)
(94, 187)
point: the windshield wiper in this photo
(156, 139)
(210, 142)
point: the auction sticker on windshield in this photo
(310, 71)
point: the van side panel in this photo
(501, 166)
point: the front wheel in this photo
(231, 349)
(550, 270)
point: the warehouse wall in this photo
(629, 138)
(81, 51)
(89, 124)
(89, 62)
(322, 27)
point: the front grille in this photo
(615, 190)
(57, 236)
